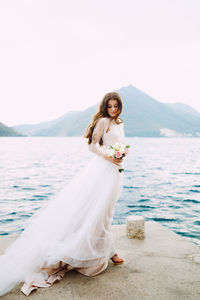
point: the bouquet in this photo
(118, 151)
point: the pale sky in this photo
(62, 55)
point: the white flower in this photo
(116, 146)
(111, 152)
(122, 148)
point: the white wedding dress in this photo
(73, 229)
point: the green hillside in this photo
(8, 131)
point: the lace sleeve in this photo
(97, 134)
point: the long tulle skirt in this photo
(72, 231)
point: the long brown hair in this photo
(102, 113)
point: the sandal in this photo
(116, 262)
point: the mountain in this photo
(42, 129)
(143, 115)
(181, 107)
(8, 131)
(72, 123)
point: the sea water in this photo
(161, 179)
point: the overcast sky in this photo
(61, 55)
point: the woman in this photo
(73, 230)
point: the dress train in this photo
(72, 231)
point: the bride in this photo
(73, 230)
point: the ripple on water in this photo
(197, 223)
(143, 200)
(166, 220)
(36, 208)
(191, 200)
(190, 173)
(128, 187)
(38, 197)
(7, 220)
(26, 215)
(187, 234)
(174, 206)
(194, 191)
(144, 206)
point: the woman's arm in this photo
(94, 146)
(96, 136)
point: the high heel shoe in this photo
(120, 261)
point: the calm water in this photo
(161, 179)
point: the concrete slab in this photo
(163, 266)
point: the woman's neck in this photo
(112, 120)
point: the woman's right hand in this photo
(116, 161)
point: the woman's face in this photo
(112, 108)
